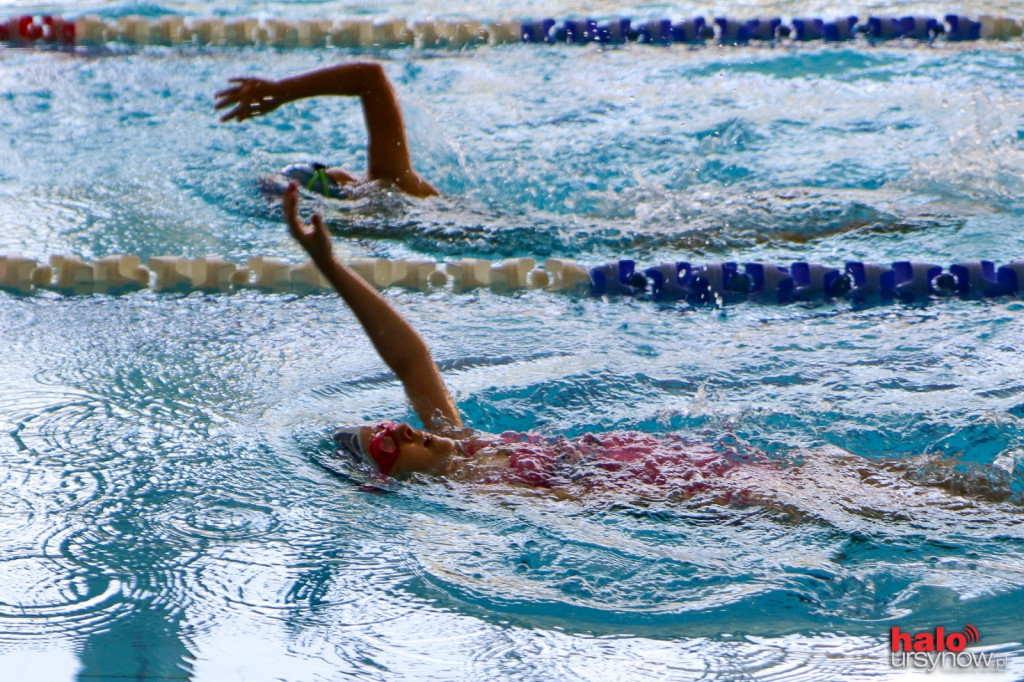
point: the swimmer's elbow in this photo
(371, 77)
(422, 189)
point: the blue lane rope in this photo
(721, 283)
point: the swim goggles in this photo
(384, 447)
(320, 173)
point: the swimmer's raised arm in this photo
(396, 341)
(387, 150)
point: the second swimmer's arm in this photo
(396, 341)
(387, 148)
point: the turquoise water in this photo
(166, 514)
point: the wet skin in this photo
(418, 451)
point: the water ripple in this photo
(209, 517)
(40, 594)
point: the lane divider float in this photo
(718, 283)
(391, 32)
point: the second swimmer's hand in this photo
(250, 97)
(315, 239)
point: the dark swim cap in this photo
(346, 438)
(383, 448)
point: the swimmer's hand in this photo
(315, 241)
(250, 97)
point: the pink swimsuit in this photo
(614, 459)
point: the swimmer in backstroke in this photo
(388, 161)
(725, 471)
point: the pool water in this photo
(166, 509)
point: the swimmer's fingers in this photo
(251, 97)
(315, 240)
(234, 113)
(226, 99)
(241, 85)
(248, 109)
(240, 80)
(320, 235)
(230, 93)
(290, 206)
(229, 96)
